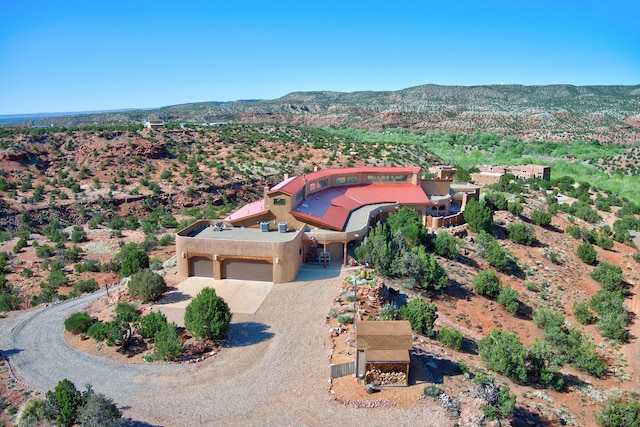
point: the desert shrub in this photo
(508, 298)
(587, 253)
(78, 235)
(581, 311)
(541, 217)
(151, 324)
(389, 311)
(65, 400)
(521, 233)
(98, 410)
(499, 403)
(609, 276)
(147, 285)
(446, 245)
(78, 323)
(421, 315)
(542, 365)
(546, 319)
(496, 201)
(57, 278)
(487, 283)
(574, 231)
(98, 331)
(450, 337)
(165, 240)
(26, 272)
(345, 319)
(112, 332)
(207, 315)
(20, 244)
(127, 312)
(167, 342)
(132, 259)
(619, 414)
(86, 286)
(9, 299)
(88, 265)
(432, 391)
(604, 242)
(515, 208)
(478, 216)
(32, 413)
(504, 353)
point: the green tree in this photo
(446, 245)
(421, 315)
(487, 283)
(521, 233)
(515, 208)
(168, 344)
(582, 312)
(478, 216)
(207, 315)
(78, 323)
(20, 244)
(508, 298)
(496, 201)
(620, 414)
(78, 235)
(65, 400)
(587, 253)
(504, 353)
(151, 324)
(450, 337)
(132, 259)
(541, 218)
(546, 319)
(147, 285)
(609, 276)
(409, 222)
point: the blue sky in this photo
(59, 56)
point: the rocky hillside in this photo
(558, 112)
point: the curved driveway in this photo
(39, 355)
(274, 370)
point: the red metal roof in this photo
(332, 207)
(251, 209)
(295, 184)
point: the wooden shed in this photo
(382, 351)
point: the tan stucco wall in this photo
(436, 187)
(287, 257)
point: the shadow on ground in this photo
(425, 368)
(247, 333)
(174, 297)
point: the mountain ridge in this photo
(609, 113)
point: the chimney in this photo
(286, 176)
(265, 191)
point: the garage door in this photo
(244, 269)
(200, 266)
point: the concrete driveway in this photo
(243, 296)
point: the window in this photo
(279, 201)
(299, 195)
(346, 180)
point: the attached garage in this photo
(247, 269)
(200, 266)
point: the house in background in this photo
(491, 174)
(150, 124)
(312, 218)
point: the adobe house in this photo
(491, 174)
(312, 218)
(383, 346)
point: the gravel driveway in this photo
(274, 371)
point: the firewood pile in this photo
(386, 378)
